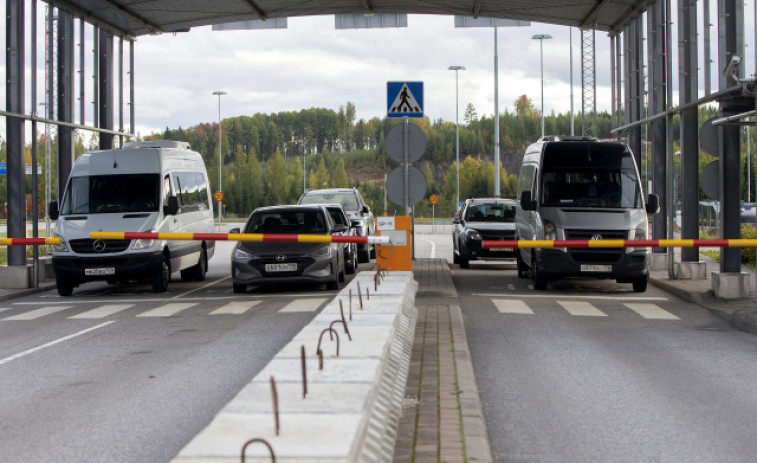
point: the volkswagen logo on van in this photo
(596, 236)
(281, 258)
(98, 245)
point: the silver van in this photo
(579, 188)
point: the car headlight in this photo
(142, 244)
(240, 253)
(321, 251)
(62, 246)
(473, 235)
(550, 231)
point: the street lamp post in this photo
(541, 38)
(457, 129)
(219, 93)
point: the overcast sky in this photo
(311, 64)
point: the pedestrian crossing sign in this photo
(404, 99)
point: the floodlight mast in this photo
(457, 68)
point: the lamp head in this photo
(732, 69)
(219, 92)
(456, 68)
(541, 36)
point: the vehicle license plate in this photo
(292, 267)
(501, 249)
(100, 271)
(596, 268)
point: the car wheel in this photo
(334, 284)
(373, 252)
(522, 267)
(363, 255)
(239, 288)
(640, 284)
(350, 266)
(455, 258)
(64, 288)
(464, 263)
(197, 272)
(162, 277)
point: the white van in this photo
(154, 186)
(578, 188)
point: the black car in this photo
(490, 219)
(356, 209)
(272, 262)
(350, 249)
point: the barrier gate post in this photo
(397, 256)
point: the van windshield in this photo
(580, 178)
(101, 194)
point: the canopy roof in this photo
(139, 17)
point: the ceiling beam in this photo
(367, 5)
(92, 18)
(256, 9)
(590, 19)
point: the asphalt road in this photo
(120, 374)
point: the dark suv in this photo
(491, 219)
(354, 206)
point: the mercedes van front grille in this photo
(89, 246)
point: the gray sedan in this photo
(288, 262)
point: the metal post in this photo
(707, 58)
(65, 98)
(670, 207)
(572, 128)
(219, 93)
(35, 193)
(405, 149)
(657, 41)
(688, 83)
(457, 131)
(496, 118)
(541, 68)
(105, 87)
(14, 88)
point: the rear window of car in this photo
(493, 212)
(346, 199)
(287, 222)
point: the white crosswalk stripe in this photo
(303, 305)
(167, 310)
(651, 311)
(235, 308)
(102, 311)
(39, 313)
(581, 309)
(512, 306)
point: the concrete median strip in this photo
(352, 408)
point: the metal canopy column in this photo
(635, 77)
(65, 97)
(105, 86)
(688, 82)
(656, 55)
(730, 216)
(14, 88)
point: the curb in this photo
(475, 434)
(352, 409)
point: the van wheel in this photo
(160, 280)
(522, 267)
(239, 288)
(538, 278)
(64, 287)
(197, 272)
(640, 285)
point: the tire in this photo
(538, 278)
(640, 285)
(333, 284)
(455, 258)
(239, 288)
(161, 279)
(373, 252)
(464, 263)
(350, 266)
(523, 269)
(64, 288)
(363, 255)
(197, 272)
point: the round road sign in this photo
(218, 196)
(434, 199)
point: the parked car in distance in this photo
(483, 219)
(356, 209)
(271, 262)
(350, 249)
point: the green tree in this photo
(339, 179)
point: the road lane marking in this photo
(167, 310)
(102, 311)
(303, 305)
(235, 297)
(433, 248)
(52, 343)
(651, 311)
(581, 309)
(41, 312)
(569, 296)
(235, 308)
(212, 283)
(512, 306)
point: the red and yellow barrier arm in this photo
(731, 243)
(276, 237)
(28, 241)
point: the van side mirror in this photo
(526, 203)
(172, 208)
(456, 220)
(653, 204)
(52, 210)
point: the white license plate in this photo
(100, 271)
(281, 267)
(596, 268)
(501, 249)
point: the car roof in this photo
(330, 190)
(489, 200)
(299, 207)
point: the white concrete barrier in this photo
(353, 406)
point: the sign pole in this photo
(405, 150)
